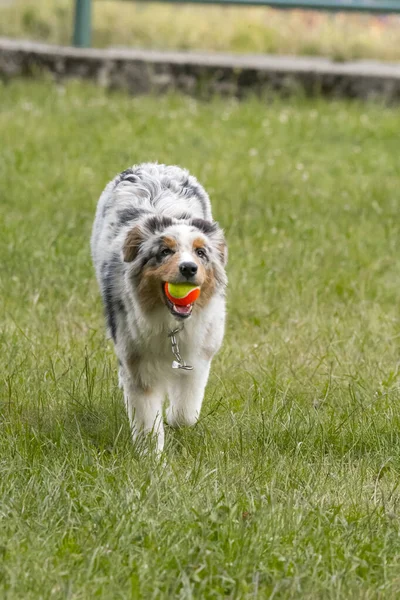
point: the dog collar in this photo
(179, 363)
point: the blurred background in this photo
(116, 23)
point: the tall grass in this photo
(289, 485)
(260, 30)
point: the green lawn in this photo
(289, 485)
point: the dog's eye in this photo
(166, 252)
(201, 253)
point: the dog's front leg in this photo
(144, 407)
(186, 393)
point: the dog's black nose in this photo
(188, 269)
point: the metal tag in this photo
(178, 363)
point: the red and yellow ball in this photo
(182, 294)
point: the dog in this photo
(153, 225)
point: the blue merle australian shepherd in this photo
(154, 225)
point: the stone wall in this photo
(140, 71)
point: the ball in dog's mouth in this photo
(180, 298)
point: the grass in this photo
(289, 485)
(260, 30)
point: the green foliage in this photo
(288, 486)
(340, 36)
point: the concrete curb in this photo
(141, 71)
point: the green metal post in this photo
(82, 23)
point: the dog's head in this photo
(161, 249)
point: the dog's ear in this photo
(132, 243)
(222, 249)
(207, 227)
(215, 233)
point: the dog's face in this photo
(161, 249)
